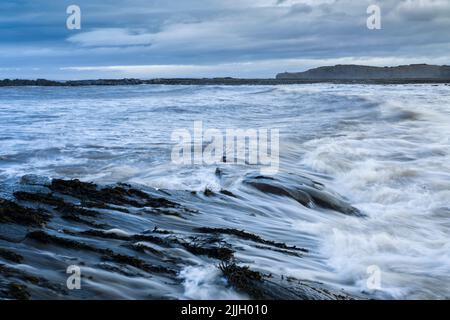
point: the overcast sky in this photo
(203, 38)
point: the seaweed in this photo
(18, 292)
(108, 254)
(222, 253)
(195, 246)
(137, 263)
(74, 218)
(11, 212)
(208, 192)
(45, 198)
(10, 256)
(45, 238)
(291, 253)
(115, 236)
(156, 229)
(248, 236)
(121, 195)
(143, 249)
(70, 209)
(244, 279)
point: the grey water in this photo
(385, 149)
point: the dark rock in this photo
(247, 236)
(11, 212)
(137, 263)
(264, 287)
(118, 195)
(20, 278)
(357, 72)
(208, 247)
(208, 192)
(45, 238)
(243, 279)
(228, 193)
(307, 192)
(11, 256)
(416, 74)
(47, 199)
(18, 292)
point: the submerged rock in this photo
(305, 191)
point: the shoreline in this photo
(208, 81)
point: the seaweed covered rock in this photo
(121, 195)
(264, 287)
(131, 241)
(11, 212)
(248, 236)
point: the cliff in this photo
(358, 72)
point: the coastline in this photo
(209, 81)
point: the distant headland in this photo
(340, 74)
(358, 72)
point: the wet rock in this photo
(277, 189)
(211, 247)
(208, 192)
(121, 195)
(288, 252)
(243, 279)
(72, 217)
(307, 192)
(117, 236)
(248, 236)
(264, 287)
(10, 256)
(45, 238)
(11, 212)
(12, 232)
(218, 173)
(139, 247)
(69, 209)
(41, 198)
(22, 282)
(228, 193)
(35, 180)
(156, 229)
(137, 263)
(18, 292)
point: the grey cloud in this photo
(224, 32)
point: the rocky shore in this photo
(282, 80)
(47, 225)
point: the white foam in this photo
(398, 173)
(118, 232)
(206, 282)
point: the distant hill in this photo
(345, 74)
(358, 72)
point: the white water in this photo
(385, 148)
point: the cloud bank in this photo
(246, 38)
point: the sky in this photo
(215, 38)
